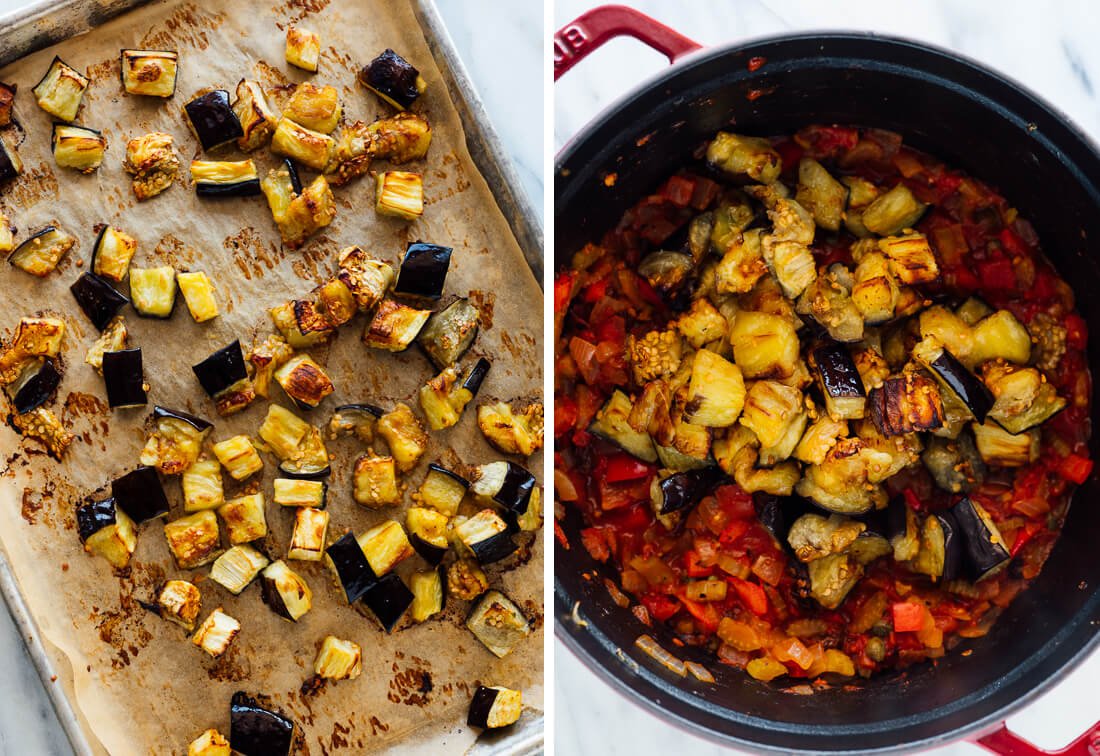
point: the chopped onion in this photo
(654, 650)
(700, 672)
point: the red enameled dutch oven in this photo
(958, 111)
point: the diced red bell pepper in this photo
(704, 613)
(1011, 242)
(752, 595)
(565, 415)
(612, 329)
(1075, 468)
(563, 290)
(692, 566)
(1023, 535)
(735, 502)
(678, 190)
(660, 606)
(623, 467)
(961, 277)
(706, 192)
(827, 141)
(632, 519)
(908, 616)
(597, 290)
(733, 531)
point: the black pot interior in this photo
(972, 119)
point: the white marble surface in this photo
(1050, 47)
(513, 98)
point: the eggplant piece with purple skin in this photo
(477, 376)
(394, 79)
(37, 387)
(986, 553)
(941, 550)
(11, 165)
(423, 271)
(295, 471)
(493, 708)
(448, 333)
(505, 483)
(778, 513)
(349, 563)
(225, 178)
(98, 299)
(684, 490)
(256, 731)
(140, 494)
(124, 378)
(93, 516)
(389, 599)
(195, 422)
(222, 369)
(841, 386)
(488, 536)
(213, 120)
(954, 376)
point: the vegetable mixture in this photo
(822, 401)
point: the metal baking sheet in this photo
(46, 23)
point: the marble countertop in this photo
(1051, 51)
(514, 102)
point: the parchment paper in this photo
(139, 685)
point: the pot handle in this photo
(577, 40)
(1003, 741)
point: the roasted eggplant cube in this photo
(193, 540)
(304, 381)
(394, 79)
(180, 601)
(509, 431)
(394, 326)
(153, 291)
(43, 425)
(487, 536)
(442, 400)
(112, 253)
(307, 541)
(239, 457)
(286, 321)
(986, 553)
(423, 271)
(300, 493)
(355, 420)
(443, 490)
(7, 102)
(265, 358)
(498, 623)
(105, 530)
(375, 482)
(60, 90)
(302, 145)
(399, 139)
(255, 115)
(893, 211)
(198, 294)
(338, 659)
(255, 731)
(336, 303)
(7, 239)
(399, 194)
(149, 72)
(683, 490)
(212, 119)
(125, 379)
(303, 48)
(151, 160)
(310, 461)
(237, 567)
(427, 533)
(367, 278)
(389, 598)
(214, 178)
(216, 632)
(953, 376)
(316, 108)
(11, 165)
(113, 339)
(97, 299)
(466, 580)
(286, 592)
(244, 518)
(906, 403)
(1024, 396)
(283, 431)
(495, 707)
(912, 260)
(34, 337)
(999, 448)
(349, 564)
(40, 254)
(941, 551)
(306, 213)
(210, 743)
(385, 546)
(505, 484)
(202, 485)
(450, 332)
(839, 381)
(34, 388)
(140, 494)
(428, 589)
(77, 147)
(407, 439)
(175, 442)
(222, 369)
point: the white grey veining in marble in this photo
(485, 33)
(1049, 47)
